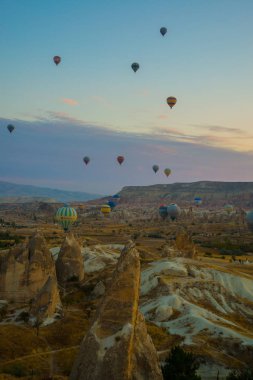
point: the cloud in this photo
(70, 102)
(49, 152)
(219, 128)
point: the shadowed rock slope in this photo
(117, 346)
(27, 273)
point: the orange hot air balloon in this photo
(57, 59)
(120, 159)
(171, 101)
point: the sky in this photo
(93, 104)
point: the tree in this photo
(244, 374)
(180, 365)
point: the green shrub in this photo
(180, 365)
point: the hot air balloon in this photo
(197, 201)
(86, 160)
(57, 59)
(10, 128)
(112, 204)
(167, 172)
(120, 159)
(249, 220)
(229, 208)
(173, 211)
(105, 209)
(163, 211)
(171, 101)
(66, 216)
(135, 66)
(155, 168)
(163, 31)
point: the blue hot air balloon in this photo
(163, 211)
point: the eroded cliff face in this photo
(117, 346)
(69, 263)
(25, 270)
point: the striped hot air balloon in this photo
(66, 216)
(171, 101)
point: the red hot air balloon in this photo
(57, 59)
(120, 159)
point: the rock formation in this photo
(69, 264)
(117, 346)
(26, 270)
(185, 244)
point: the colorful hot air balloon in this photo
(120, 159)
(57, 59)
(229, 208)
(155, 168)
(171, 101)
(197, 201)
(86, 160)
(135, 66)
(10, 128)
(167, 172)
(173, 211)
(66, 216)
(163, 211)
(249, 220)
(105, 209)
(163, 31)
(112, 204)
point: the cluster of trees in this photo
(182, 365)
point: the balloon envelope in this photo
(171, 101)
(86, 160)
(155, 168)
(173, 211)
(249, 220)
(57, 59)
(120, 159)
(167, 172)
(229, 208)
(163, 211)
(135, 66)
(163, 31)
(10, 128)
(66, 216)
(105, 209)
(112, 204)
(197, 201)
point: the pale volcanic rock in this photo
(69, 263)
(117, 346)
(25, 269)
(47, 302)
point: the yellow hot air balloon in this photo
(105, 209)
(171, 101)
(167, 172)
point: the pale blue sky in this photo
(205, 60)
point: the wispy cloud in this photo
(219, 128)
(70, 102)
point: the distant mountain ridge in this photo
(213, 193)
(11, 192)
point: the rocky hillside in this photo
(14, 193)
(239, 194)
